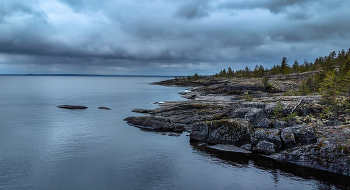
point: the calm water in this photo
(44, 147)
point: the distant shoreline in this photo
(87, 75)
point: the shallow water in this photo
(45, 147)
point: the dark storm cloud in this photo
(193, 9)
(166, 36)
(272, 5)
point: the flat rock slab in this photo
(72, 107)
(229, 148)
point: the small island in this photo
(298, 114)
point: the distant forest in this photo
(330, 62)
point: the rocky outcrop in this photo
(236, 112)
(225, 131)
(154, 123)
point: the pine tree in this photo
(295, 66)
(330, 88)
(230, 73)
(284, 64)
(345, 84)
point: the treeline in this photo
(332, 60)
(283, 68)
(333, 79)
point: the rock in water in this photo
(104, 108)
(72, 107)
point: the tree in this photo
(265, 82)
(345, 66)
(295, 66)
(230, 73)
(247, 72)
(346, 83)
(284, 64)
(261, 71)
(330, 88)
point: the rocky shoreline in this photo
(237, 115)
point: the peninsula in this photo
(280, 116)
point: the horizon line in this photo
(91, 75)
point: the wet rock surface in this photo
(236, 112)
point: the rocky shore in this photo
(238, 113)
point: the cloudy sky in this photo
(166, 37)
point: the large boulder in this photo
(240, 112)
(226, 131)
(280, 124)
(270, 135)
(255, 115)
(265, 123)
(304, 134)
(266, 147)
(288, 137)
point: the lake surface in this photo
(45, 147)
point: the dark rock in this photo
(265, 123)
(154, 123)
(72, 107)
(104, 108)
(304, 134)
(192, 96)
(258, 105)
(226, 131)
(240, 112)
(288, 137)
(270, 135)
(255, 115)
(280, 124)
(247, 147)
(329, 157)
(141, 110)
(266, 147)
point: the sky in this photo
(166, 37)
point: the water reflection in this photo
(278, 170)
